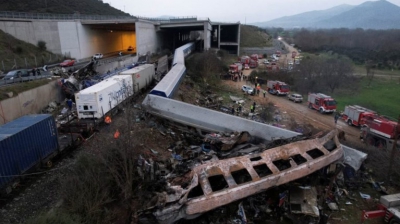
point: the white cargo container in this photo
(97, 100)
(142, 76)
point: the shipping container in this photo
(97, 100)
(25, 143)
(142, 76)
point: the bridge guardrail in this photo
(4, 82)
(28, 15)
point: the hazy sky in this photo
(227, 10)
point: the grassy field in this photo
(382, 96)
(360, 69)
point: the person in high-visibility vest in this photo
(107, 120)
(116, 134)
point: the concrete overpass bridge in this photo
(81, 36)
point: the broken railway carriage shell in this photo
(264, 170)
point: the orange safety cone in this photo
(116, 134)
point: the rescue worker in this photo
(336, 117)
(252, 108)
(233, 110)
(116, 134)
(264, 92)
(69, 104)
(240, 107)
(107, 120)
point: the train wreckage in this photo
(243, 176)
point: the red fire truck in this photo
(354, 114)
(389, 208)
(254, 57)
(277, 88)
(321, 102)
(253, 63)
(380, 132)
(244, 60)
(235, 68)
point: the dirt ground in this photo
(321, 122)
(43, 195)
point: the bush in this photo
(18, 49)
(86, 189)
(41, 45)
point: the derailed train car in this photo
(29, 142)
(169, 84)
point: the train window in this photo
(217, 182)
(282, 164)
(298, 159)
(262, 170)
(241, 176)
(85, 108)
(196, 192)
(315, 153)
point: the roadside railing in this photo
(4, 82)
(51, 16)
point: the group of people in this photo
(35, 71)
(238, 110)
(258, 89)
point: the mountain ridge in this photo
(380, 14)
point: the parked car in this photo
(67, 63)
(98, 56)
(17, 74)
(266, 62)
(247, 89)
(246, 66)
(290, 63)
(297, 98)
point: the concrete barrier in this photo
(29, 102)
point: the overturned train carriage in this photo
(247, 175)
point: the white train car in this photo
(170, 83)
(142, 76)
(97, 100)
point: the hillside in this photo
(380, 14)
(90, 7)
(16, 51)
(252, 36)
